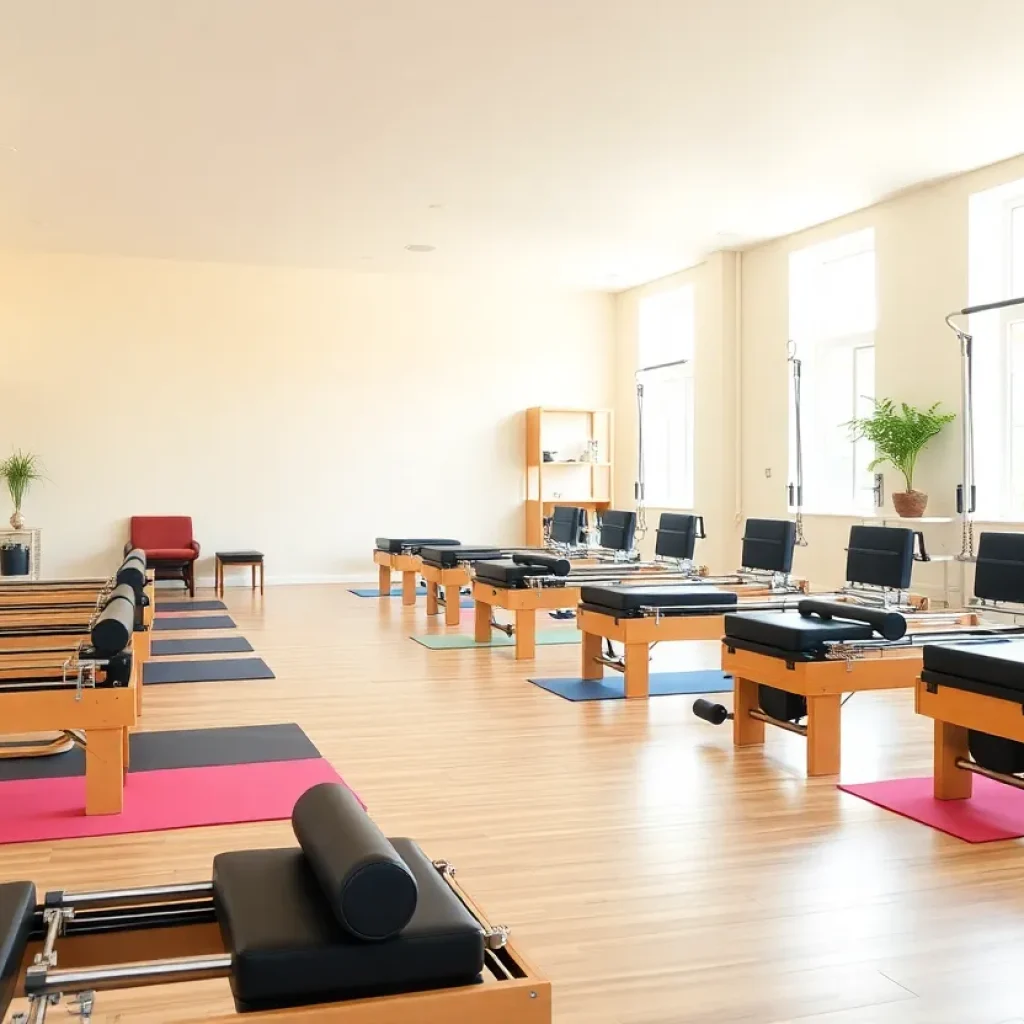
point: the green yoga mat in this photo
(459, 641)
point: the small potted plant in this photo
(899, 435)
(19, 470)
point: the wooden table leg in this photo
(263, 570)
(384, 581)
(638, 670)
(408, 588)
(126, 749)
(104, 771)
(526, 634)
(590, 668)
(252, 569)
(218, 580)
(824, 753)
(482, 622)
(451, 606)
(746, 731)
(431, 598)
(951, 783)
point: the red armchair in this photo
(169, 546)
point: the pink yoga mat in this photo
(32, 810)
(995, 811)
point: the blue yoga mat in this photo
(663, 684)
(374, 592)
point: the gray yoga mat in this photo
(192, 606)
(183, 622)
(181, 748)
(204, 645)
(218, 670)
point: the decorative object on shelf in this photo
(549, 456)
(14, 559)
(19, 470)
(899, 435)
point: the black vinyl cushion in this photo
(449, 556)
(288, 949)
(396, 545)
(768, 545)
(506, 573)
(567, 524)
(626, 599)
(227, 557)
(17, 908)
(996, 663)
(791, 631)
(618, 530)
(999, 572)
(676, 535)
(880, 556)
(365, 882)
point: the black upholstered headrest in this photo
(112, 629)
(566, 525)
(618, 530)
(677, 535)
(880, 556)
(367, 885)
(768, 545)
(999, 573)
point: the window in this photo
(832, 315)
(666, 336)
(996, 256)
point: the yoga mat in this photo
(459, 641)
(192, 606)
(34, 810)
(194, 622)
(995, 811)
(206, 645)
(217, 671)
(662, 684)
(375, 592)
(178, 748)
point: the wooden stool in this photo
(249, 558)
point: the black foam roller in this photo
(133, 571)
(365, 882)
(113, 627)
(887, 624)
(559, 566)
(716, 714)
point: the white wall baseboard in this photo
(278, 580)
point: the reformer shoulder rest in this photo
(810, 627)
(412, 545)
(627, 601)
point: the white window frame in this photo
(810, 346)
(671, 485)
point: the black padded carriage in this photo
(880, 556)
(999, 572)
(626, 601)
(677, 535)
(567, 525)
(17, 911)
(450, 555)
(768, 545)
(508, 574)
(618, 530)
(410, 545)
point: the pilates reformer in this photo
(787, 666)
(349, 927)
(530, 583)
(402, 554)
(87, 694)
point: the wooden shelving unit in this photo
(569, 479)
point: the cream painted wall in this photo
(301, 412)
(921, 246)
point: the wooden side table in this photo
(253, 559)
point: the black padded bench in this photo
(450, 556)
(627, 601)
(992, 667)
(411, 545)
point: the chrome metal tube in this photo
(146, 894)
(137, 975)
(977, 769)
(800, 730)
(616, 663)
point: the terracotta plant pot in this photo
(910, 504)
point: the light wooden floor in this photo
(654, 875)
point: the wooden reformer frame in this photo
(408, 565)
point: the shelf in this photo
(907, 519)
(574, 462)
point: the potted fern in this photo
(899, 435)
(19, 470)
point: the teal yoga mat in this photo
(459, 641)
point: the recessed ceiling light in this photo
(421, 248)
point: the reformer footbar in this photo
(348, 927)
(787, 666)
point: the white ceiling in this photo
(598, 143)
